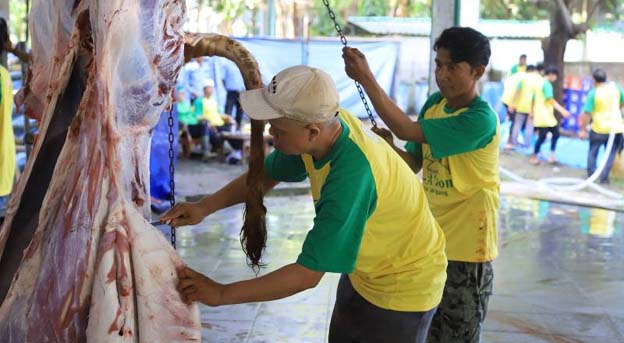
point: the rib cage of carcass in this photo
(79, 259)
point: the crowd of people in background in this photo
(530, 100)
(207, 105)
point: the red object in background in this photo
(573, 82)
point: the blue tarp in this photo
(159, 158)
(274, 55)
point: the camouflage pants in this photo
(464, 303)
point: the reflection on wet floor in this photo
(559, 276)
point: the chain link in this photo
(343, 39)
(172, 170)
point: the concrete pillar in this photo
(443, 15)
(447, 13)
(4, 9)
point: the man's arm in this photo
(232, 194)
(399, 123)
(284, 282)
(564, 112)
(583, 121)
(414, 163)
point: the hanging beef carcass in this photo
(79, 260)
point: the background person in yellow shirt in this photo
(455, 142)
(372, 224)
(217, 122)
(604, 109)
(522, 102)
(521, 66)
(544, 116)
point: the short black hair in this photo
(599, 75)
(539, 66)
(551, 70)
(531, 67)
(523, 56)
(465, 44)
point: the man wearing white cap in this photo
(373, 224)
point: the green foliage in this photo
(322, 25)
(231, 9)
(373, 8)
(18, 21)
(515, 9)
(419, 9)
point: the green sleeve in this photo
(589, 104)
(621, 95)
(348, 199)
(414, 149)
(282, 167)
(514, 69)
(547, 90)
(471, 130)
(198, 107)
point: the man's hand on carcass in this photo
(185, 213)
(194, 286)
(356, 65)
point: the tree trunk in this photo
(562, 29)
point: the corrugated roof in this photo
(422, 27)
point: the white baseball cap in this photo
(301, 93)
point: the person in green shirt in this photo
(455, 143)
(372, 224)
(604, 109)
(191, 126)
(544, 118)
(521, 66)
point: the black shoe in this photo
(604, 182)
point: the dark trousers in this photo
(231, 101)
(356, 320)
(543, 131)
(597, 140)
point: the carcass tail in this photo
(253, 233)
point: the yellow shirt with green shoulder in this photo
(460, 175)
(543, 110)
(509, 88)
(210, 112)
(372, 220)
(529, 84)
(604, 103)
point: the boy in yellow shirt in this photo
(604, 108)
(455, 142)
(544, 116)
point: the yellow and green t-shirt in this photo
(372, 220)
(529, 84)
(543, 111)
(460, 175)
(518, 69)
(509, 88)
(603, 104)
(210, 112)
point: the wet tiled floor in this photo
(559, 276)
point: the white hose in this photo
(570, 183)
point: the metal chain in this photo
(172, 170)
(343, 39)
